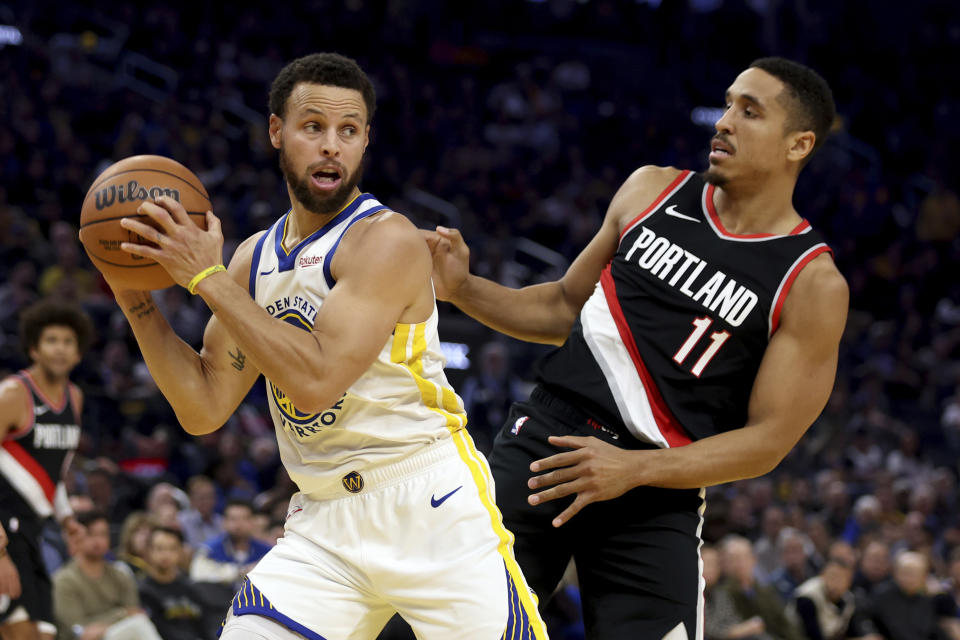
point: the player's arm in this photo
(203, 388)
(381, 269)
(792, 386)
(542, 312)
(14, 406)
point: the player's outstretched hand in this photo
(183, 248)
(593, 470)
(451, 260)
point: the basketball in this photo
(116, 194)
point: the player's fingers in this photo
(559, 491)
(571, 442)
(552, 478)
(141, 250)
(430, 237)
(143, 230)
(175, 209)
(213, 223)
(572, 510)
(565, 459)
(452, 234)
(158, 214)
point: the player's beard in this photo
(314, 202)
(712, 176)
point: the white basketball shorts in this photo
(422, 537)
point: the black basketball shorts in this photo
(637, 556)
(24, 549)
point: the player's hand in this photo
(183, 248)
(9, 578)
(451, 261)
(594, 470)
(73, 531)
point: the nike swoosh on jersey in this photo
(672, 211)
(266, 273)
(436, 502)
(39, 410)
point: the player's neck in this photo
(757, 208)
(50, 385)
(301, 222)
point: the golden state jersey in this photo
(402, 403)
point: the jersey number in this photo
(717, 338)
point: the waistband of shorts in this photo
(376, 477)
(557, 406)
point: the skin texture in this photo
(758, 176)
(382, 270)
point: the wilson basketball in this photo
(116, 194)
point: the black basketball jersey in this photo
(33, 459)
(669, 344)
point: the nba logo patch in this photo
(353, 482)
(518, 425)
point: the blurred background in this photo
(515, 121)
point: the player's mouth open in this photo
(720, 149)
(326, 179)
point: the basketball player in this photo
(699, 333)
(334, 305)
(40, 430)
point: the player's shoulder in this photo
(820, 295)
(243, 255)
(385, 231)
(13, 387)
(642, 187)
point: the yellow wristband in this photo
(209, 271)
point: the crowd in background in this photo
(516, 121)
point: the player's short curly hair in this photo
(321, 68)
(808, 99)
(47, 313)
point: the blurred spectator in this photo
(134, 536)
(767, 546)
(201, 521)
(794, 566)
(751, 599)
(487, 396)
(902, 609)
(865, 519)
(720, 618)
(825, 607)
(96, 599)
(228, 557)
(874, 569)
(172, 601)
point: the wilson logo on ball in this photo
(131, 191)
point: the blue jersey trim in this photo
(249, 601)
(255, 263)
(287, 261)
(329, 259)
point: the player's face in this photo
(57, 351)
(751, 140)
(321, 140)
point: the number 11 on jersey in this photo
(717, 338)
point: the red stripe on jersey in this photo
(33, 467)
(669, 428)
(788, 282)
(712, 211)
(655, 203)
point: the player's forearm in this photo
(291, 358)
(734, 455)
(538, 313)
(176, 368)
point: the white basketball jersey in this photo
(401, 403)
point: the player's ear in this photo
(275, 130)
(800, 145)
(366, 137)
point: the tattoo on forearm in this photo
(239, 359)
(143, 309)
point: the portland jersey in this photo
(669, 344)
(401, 403)
(33, 459)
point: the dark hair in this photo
(330, 69)
(238, 502)
(87, 518)
(48, 313)
(808, 100)
(176, 533)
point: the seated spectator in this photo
(824, 606)
(795, 565)
(133, 542)
(751, 599)
(201, 521)
(228, 557)
(172, 601)
(874, 568)
(721, 621)
(93, 598)
(902, 610)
